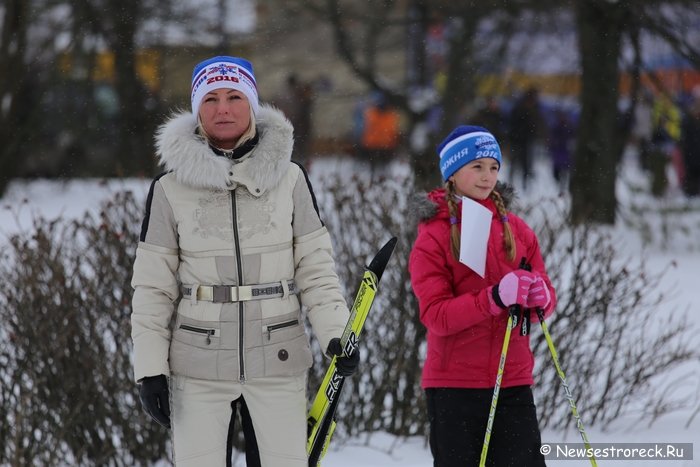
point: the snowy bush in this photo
(361, 217)
(68, 395)
(614, 328)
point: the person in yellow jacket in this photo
(231, 248)
(666, 120)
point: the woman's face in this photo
(225, 116)
(477, 179)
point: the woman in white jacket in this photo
(233, 244)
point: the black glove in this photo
(155, 398)
(346, 365)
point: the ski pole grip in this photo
(515, 312)
(525, 325)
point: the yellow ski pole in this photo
(512, 322)
(569, 396)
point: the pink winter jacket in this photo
(464, 339)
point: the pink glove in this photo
(538, 297)
(513, 289)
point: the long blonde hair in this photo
(508, 239)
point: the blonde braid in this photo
(454, 228)
(508, 239)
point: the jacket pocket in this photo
(196, 351)
(201, 331)
(285, 348)
(270, 328)
(288, 358)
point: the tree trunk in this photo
(135, 155)
(595, 158)
(426, 172)
(423, 162)
(12, 46)
(459, 89)
(460, 69)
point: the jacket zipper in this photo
(278, 326)
(239, 269)
(208, 332)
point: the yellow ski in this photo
(321, 419)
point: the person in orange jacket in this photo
(380, 133)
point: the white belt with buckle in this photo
(238, 293)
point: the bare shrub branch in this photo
(65, 358)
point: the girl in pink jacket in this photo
(466, 314)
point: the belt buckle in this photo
(220, 294)
(241, 293)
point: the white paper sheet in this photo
(476, 226)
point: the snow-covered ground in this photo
(72, 198)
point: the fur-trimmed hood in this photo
(425, 206)
(194, 163)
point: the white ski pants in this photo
(201, 413)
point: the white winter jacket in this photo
(213, 221)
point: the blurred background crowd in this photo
(85, 84)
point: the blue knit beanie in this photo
(465, 144)
(224, 72)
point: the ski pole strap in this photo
(238, 293)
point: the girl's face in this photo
(477, 179)
(225, 116)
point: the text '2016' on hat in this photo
(224, 72)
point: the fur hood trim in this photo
(425, 206)
(193, 162)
